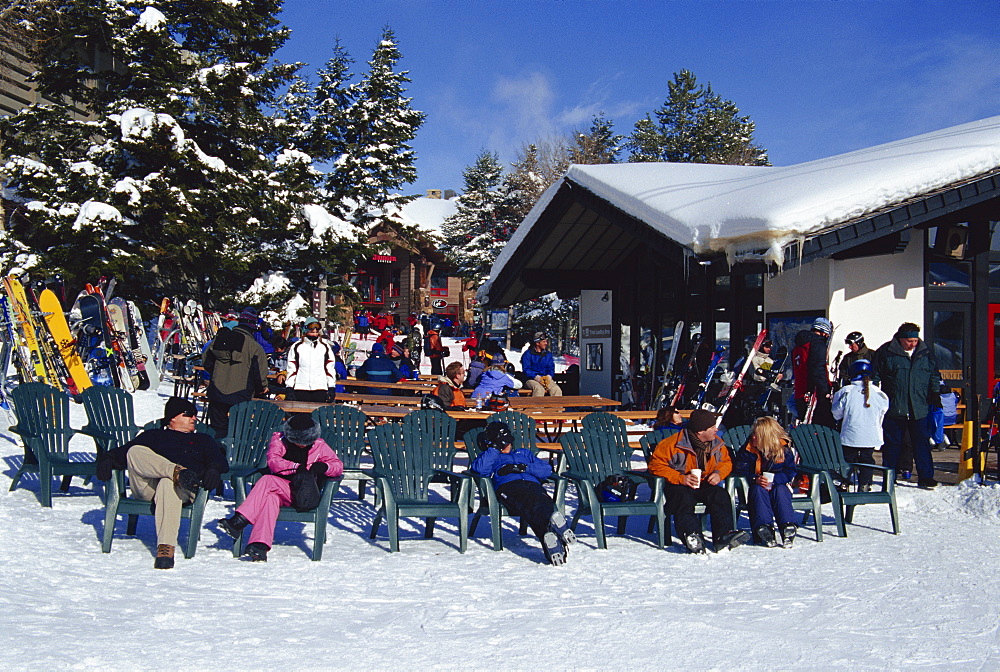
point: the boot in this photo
(765, 536)
(233, 525)
(693, 542)
(164, 557)
(257, 551)
(558, 524)
(187, 479)
(732, 540)
(788, 535)
(555, 551)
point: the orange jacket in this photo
(674, 458)
(450, 395)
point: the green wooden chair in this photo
(650, 440)
(110, 417)
(591, 458)
(343, 428)
(118, 503)
(822, 455)
(43, 424)
(251, 424)
(437, 429)
(809, 503)
(405, 463)
(524, 429)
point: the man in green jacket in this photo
(238, 367)
(909, 375)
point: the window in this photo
(395, 281)
(949, 274)
(949, 339)
(439, 284)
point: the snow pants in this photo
(263, 504)
(893, 431)
(681, 501)
(151, 477)
(529, 501)
(768, 507)
(864, 456)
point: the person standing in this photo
(312, 365)
(861, 408)
(539, 367)
(435, 351)
(909, 376)
(238, 369)
(858, 350)
(810, 373)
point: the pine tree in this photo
(599, 145)
(525, 183)
(695, 125)
(474, 236)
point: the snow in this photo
(322, 224)
(754, 211)
(140, 124)
(92, 213)
(922, 599)
(426, 214)
(151, 19)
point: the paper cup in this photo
(768, 476)
(696, 473)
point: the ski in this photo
(145, 352)
(688, 370)
(668, 367)
(737, 383)
(713, 365)
(772, 377)
(77, 378)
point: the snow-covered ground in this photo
(928, 598)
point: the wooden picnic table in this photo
(411, 385)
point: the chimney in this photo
(434, 193)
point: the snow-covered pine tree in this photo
(695, 125)
(600, 144)
(474, 236)
(525, 182)
(171, 178)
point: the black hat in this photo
(498, 435)
(175, 406)
(701, 420)
(432, 401)
(855, 337)
(301, 430)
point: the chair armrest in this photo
(451, 474)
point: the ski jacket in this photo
(433, 344)
(386, 339)
(279, 465)
(379, 368)
(450, 395)
(494, 382)
(674, 457)
(476, 369)
(237, 366)
(535, 363)
(491, 460)
(192, 450)
(311, 365)
(750, 463)
(760, 362)
(809, 364)
(844, 370)
(912, 382)
(860, 427)
(264, 343)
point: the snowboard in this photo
(41, 371)
(77, 378)
(103, 361)
(135, 322)
(122, 344)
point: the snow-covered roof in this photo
(427, 214)
(757, 210)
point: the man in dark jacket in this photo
(167, 466)
(379, 367)
(858, 350)
(911, 379)
(238, 369)
(811, 377)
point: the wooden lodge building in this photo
(905, 231)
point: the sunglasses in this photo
(190, 414)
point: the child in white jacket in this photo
(861, 406)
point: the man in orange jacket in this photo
(694, 461)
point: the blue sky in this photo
(818, 77)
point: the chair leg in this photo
(894, 515)
(110, 515)
(45, 481)
(622, 522)
(319, 536)
(361, 490)
(429, 530)
(64, 486)
(392, 521)
(17, 477)
(130, 528)
(463, 525)
(849, 515)
(598, 516)
(376, 523)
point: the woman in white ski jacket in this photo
(860, 406)
(311, 365)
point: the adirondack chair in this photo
(405, 463)
(118, 503)
(318, 517)
(649, 441)
(437, 429)
(251, 424)
(823, 455)
(43, 424)
(591, 459)
(110, 417)
(524, 430)
(810, 503)
(343, 428)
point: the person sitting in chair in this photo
(539, 367)
(167, 466)
(517, 476)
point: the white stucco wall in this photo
(873, 295)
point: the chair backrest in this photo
(109, 411)
(43, 413)
(408, 466)
(611, 426)
(435, 431)
(199, 427)
(523, 426)
(649, 440)
(819, 448)
(737, 437)
(251, 424)
(343, 428)
(595, 455)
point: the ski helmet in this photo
(822, 325)
(860, 368)
(432, 401)
(498, 435)
(855, 338)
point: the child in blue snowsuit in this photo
(517, 476)
(769, 452)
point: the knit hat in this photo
(397, 350)
(498, 435)
(175, 406)
(248, 318)
(701, 420)
(823, 325)
(312, 320)
(378, 349)
(301, 430)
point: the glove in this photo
(318, 469)
(934, 399)
(513, 468)
(211, 480)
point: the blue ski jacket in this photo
(538, 363)
(490, 461)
